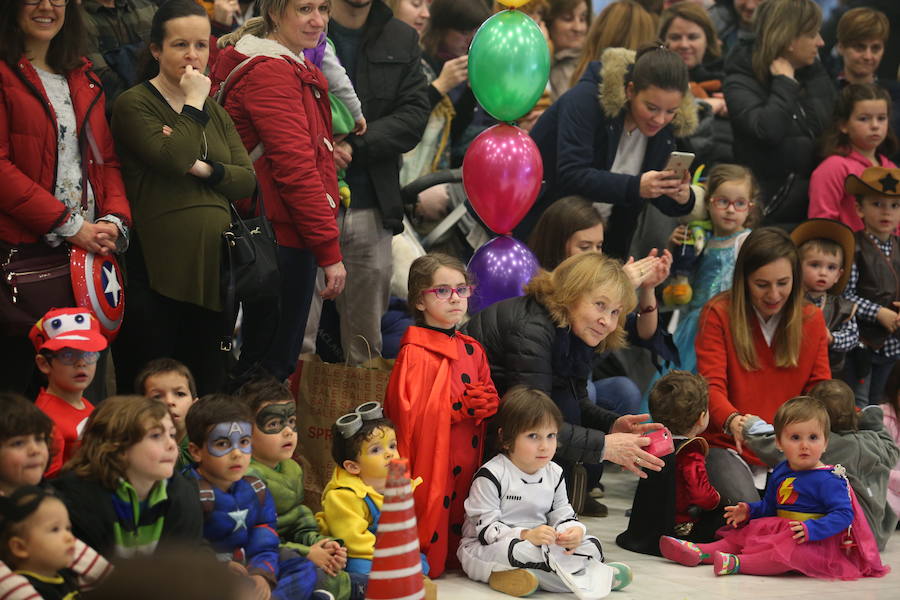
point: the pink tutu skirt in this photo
(772, 538)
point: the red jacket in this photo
(282, 103)
(28, 153)
(734, 389)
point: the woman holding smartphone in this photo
(609, 137)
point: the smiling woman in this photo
(57, 192)
(545, 340)
(758, 345)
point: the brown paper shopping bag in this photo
(324, 392)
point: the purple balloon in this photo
(501, 268)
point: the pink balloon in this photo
(502, 173)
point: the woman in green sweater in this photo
(182, 161)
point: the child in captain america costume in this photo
(808, 521)
(239, 513)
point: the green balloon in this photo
(509, 64)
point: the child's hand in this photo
(887, 319)
(166, 130)
(322, 558)
(237, 568)
(679, 235)
(261, 588)
(570, 539)
(799, 531)
(542, 535)
(737, 514)
(361, 126)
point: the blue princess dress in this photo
(712, 275)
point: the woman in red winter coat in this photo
(279, 104)
(61, 183)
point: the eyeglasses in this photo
(444, 292)
(69, 357)
(740, 205)
(56, 3)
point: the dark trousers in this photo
(159, 327)
(272, 340)
(867, 387)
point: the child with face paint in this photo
(123, 496)
(274, 443)
(239, 517)
(363, 444)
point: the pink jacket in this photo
(892, 424)
(827, 199)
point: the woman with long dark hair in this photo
(61, 181)
(184, 162)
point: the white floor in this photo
(658, 579)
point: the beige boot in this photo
(518, 582)
(430, 589)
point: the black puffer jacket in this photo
(524, 347)
(775, 127)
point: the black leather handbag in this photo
(249, 264)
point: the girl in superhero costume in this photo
(439, 396)
(808, 521)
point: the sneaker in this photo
(592, 508)
(321, 595)
(597, 492)
(623, 575)
(518, 582)
(725, 564)
(682, 552)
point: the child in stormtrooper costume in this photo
(518, 498)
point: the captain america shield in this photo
(98, 285)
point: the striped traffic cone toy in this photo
(396, 566)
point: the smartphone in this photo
(661, 442)
(679, 162)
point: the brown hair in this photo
(117, 424)
(459, 15)
(725, 172)
(172, 572)
(343, 449)
(161, 366)
(840, 403)
(212, 409)
(265, 390)
(776, 24)
(622, 24)
(823, 245)
(678, 399)
(421, 274)
(892, 390)
(563, 287)
(521, 409)
(762, 247)
(559, 8)
(557, 224)
(861, 25)
(696, 14)
(66, 49)
(835, 141)
(800, 409)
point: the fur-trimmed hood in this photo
(611, 91)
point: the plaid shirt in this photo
(866, 310)
(117, 35)
(845, 337)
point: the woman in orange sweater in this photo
(758, 345)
